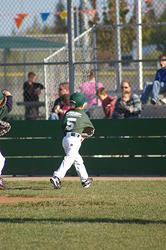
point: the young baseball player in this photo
(77, 127)
(5, 108)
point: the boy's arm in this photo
(9, 101)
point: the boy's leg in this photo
(81, 171)
(146, 92)
(71, 146)
(80, 168)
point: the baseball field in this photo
(115, 213)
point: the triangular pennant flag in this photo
(92, 13)
(63, 14)
(44, 16)
(18, 21)
(19, 18)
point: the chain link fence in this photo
(118, 41)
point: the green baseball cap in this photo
(77, 98)
(1, 95)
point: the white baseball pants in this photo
(71, 145)
(2, 162)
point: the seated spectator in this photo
(129, 105)
(89, 90)
(108, 102)
(158, 86)
(31, 92)
(63, 106)
(63, 90)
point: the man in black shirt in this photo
(31, 92)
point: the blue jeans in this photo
(53, 116)
(155, 88)
(146, 92)
(158, 88)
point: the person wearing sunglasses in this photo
(128, 105)
(62, 91)
(158, 86)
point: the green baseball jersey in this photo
(76, 121)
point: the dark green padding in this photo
(95, 166)
(34, 147)
(95, 146)
(124, 127)
(107, 146)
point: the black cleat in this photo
(87, 183)
(56, 182)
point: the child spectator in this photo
(108, 102)
(158, 86)
(63, 90)
(62, 107)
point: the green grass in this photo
(109, 215)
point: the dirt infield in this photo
(102, 178)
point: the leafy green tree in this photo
(147, 20)
(106, 35)
(35, 29)
(60, 26)
(158, 34)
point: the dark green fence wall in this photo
(119, 147)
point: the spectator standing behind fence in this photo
(62, 90)
(158, 86)
(108, 102)
(129, 105)
(88, 89)
(31, 92)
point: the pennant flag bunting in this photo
(44, 16)
(63, 14)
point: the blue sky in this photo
(9, 8)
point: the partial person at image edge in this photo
(158, 86)
(6, 102)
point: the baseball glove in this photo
(87, 132)
(4, 127)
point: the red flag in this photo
(19, 19)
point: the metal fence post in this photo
(139, 41)
(70, 21)
(5, 69)
(95, 54)
(118, 46)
